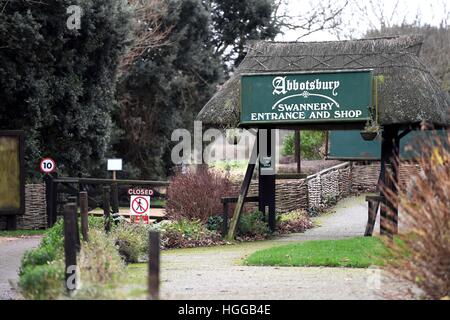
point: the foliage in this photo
(214, 223)
(131, 241)
(20, 233)
(311, 144)
(186, 233)
(43, 281)
(293, 222)
(426, 217)
(168, 85)
(50, 248)
(101, 267)
(253, 225)
(235, 22)
(57, 84)
(196, 195)
(360, 252)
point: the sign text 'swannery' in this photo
(308, 98)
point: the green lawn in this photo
(21, 233)
(360, 252)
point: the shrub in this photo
(311, 144)
(186, 233)
(214, 223)
(100, 267)
(131, 241)
(43, 282)
(50, 248)
(423, 256)
(196, 195)
(253, 225)
(293, 222)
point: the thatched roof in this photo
(408, 94)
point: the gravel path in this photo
(11, 251)
(217, 273)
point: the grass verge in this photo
(21, 233)
(360, 252)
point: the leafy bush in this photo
(311, 144)
(423, 256)
(50, 248)
(101, 267)
(253, 225)
(196, 195)
(293, 222)
(43, 281)
(186, 233)
(131, 241)
(214, 223)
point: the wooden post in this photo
(106, 209)
(115, 198)
(70, 244)
(84, 215)
(48, 180)
(153, 265)
(243, 193)
(225, 219)
(266, 188)
(297, 143)
(11, 222)
(389, 180)
(73, 199)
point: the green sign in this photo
(348, 145)
(306, 98)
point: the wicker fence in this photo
(35, 216)
(324, 188)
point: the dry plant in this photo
(421, 256)
(149, 29)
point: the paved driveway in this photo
(11, 252)
(217, 273)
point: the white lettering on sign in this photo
(282, 85)
(140, 192)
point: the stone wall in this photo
(35, 216)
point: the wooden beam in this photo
(243, 193)
(297, 144)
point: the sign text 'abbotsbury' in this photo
(308, 98)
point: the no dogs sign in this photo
(140, 205)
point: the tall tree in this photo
(169, 83)
(56, 82)
(235, 22)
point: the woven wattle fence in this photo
(35, 216)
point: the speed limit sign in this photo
(48, 165)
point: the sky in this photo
(361, 15)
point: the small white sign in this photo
(140, 205)
(48, 165)
(114, 164)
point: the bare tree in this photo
(312, 17)
(149, 29)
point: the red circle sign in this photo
(139, 205)
(48, 165)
